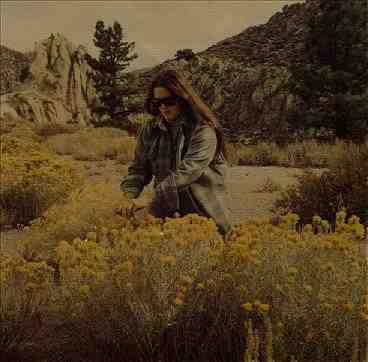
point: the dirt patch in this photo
(253, 190)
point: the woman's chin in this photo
(167, 117)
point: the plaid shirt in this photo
(181, 157)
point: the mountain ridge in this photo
(242, 78)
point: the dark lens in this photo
(169, 101)
(154, 103)
(154, 106)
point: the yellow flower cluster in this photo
(256, 306)
(17, 272)
(158, 268)
(25, 166)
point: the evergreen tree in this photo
(108, 76)
(186, 54)
(332, 82)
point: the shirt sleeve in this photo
(139, 170)
(199, 155)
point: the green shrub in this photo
(343, 185)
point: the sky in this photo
(158, 28)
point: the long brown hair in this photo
(188, 99)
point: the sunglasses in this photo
(168, 101)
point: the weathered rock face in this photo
(57, 89)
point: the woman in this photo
(184, 149)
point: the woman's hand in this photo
(137, 208)
(140, 213)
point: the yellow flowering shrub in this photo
(314, 284)
(138, 273)
(25, 289)
(32, 179)
(88, 208)
(158, 289)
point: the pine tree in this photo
(108, 73)
(333, 80)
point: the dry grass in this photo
(303, 154)
(94, 144)
(269, 186)
(51, 129)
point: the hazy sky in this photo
(158, 28)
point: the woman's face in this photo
(170, 112)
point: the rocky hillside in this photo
(13, 67)
(244, 78)
(279, 42)
(53, 87)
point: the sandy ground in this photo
(252, 190)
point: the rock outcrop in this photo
(57, 88)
